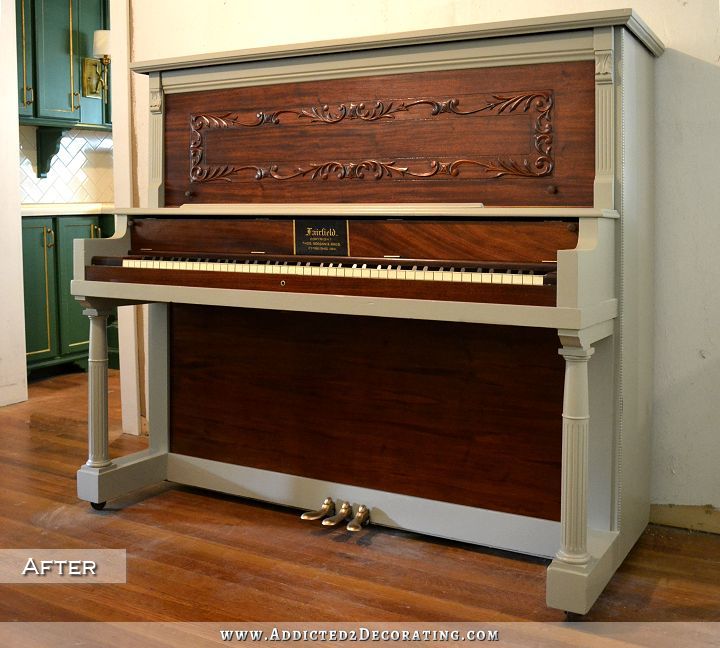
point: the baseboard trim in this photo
(698, 518)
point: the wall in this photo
(687, 334)
(82, 170)
(13, 386)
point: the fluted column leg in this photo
(98, 455)
(576, 422)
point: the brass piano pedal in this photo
(327, 508)
(362, 517)
(344, 513)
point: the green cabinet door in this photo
(25, 53)
(57, 64)
(74, 326)
(40, 293)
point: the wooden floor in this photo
(194, 555)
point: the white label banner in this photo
(63, 566)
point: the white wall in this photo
(13, 380)
(686, 435)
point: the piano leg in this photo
(100, 479)
(98, 456)
(576, 423)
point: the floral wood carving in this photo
(539, 104)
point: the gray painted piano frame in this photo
(604, 312)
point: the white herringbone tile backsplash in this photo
(80, 172)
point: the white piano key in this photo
(516, 279)
(506, 278)
(496, 277)
(467, 276)
(487, 277)
(527, 279)
(537, 280)
(457, 276)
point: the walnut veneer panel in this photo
(453, 412)
(517, 135)
(484, 240)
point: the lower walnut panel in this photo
(462, 413)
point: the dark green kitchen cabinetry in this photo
(56, 331)
(54, 38)
(40, 281)
(25, 41)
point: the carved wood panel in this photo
(505, 136)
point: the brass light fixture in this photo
(95, 70)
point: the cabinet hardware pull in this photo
(50, 244)
(26, 89)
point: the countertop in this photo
(66, 209)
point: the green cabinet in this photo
(39, 275)
(56, 331)
(25, 38)
(54, 39)
(73, 325)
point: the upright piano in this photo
(404, 281)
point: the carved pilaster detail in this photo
(540, 163)
(576, 426)
(156, 101)
(604, 130)
(604, 67)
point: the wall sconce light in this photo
(95, 70)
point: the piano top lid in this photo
(613, 17)
(359, 210)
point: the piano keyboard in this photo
(484, 275)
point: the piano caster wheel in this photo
(344, 513)
(362, 517)
(327, 508)
(574, 617)
(98, 506)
